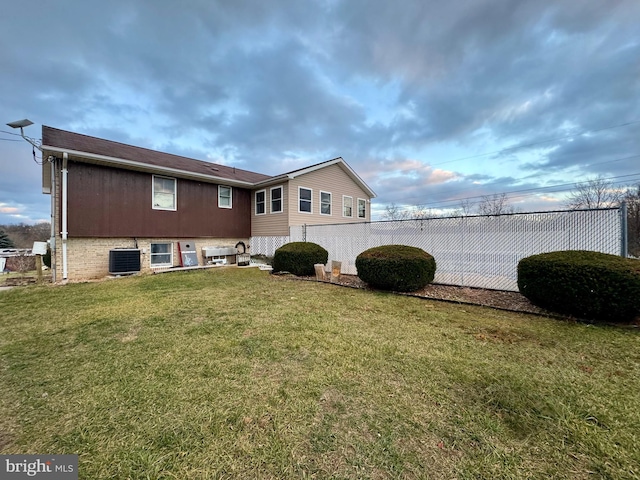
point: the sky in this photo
(430, 102)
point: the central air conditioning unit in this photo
(124, 261)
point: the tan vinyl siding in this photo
(332, 179)
(269, 224)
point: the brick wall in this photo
(88, 258)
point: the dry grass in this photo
(229, 373)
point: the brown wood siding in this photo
(109, 202)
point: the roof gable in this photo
(318, 166)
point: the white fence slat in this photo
(477, 251)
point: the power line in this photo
(453, 192)
(10, 133)
(531, 191)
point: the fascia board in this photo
(344, 165)
(133, 165)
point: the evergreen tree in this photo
(5, 241)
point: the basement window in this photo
(164, 193)
(161, 254)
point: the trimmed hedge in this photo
(299, 258)
(589, 285)
(396, 267)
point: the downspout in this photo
(64, 232)
(52, 240)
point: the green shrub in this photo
(585, 284)
(396, 267)
(46, 258)
(299, 257)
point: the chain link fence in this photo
(474, 251)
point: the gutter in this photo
(52, 239)
(64, 232)
(133, 165)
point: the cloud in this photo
(7, 210)
(274, 86)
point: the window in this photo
(224, 196)
(261, 202)
(325, 203)
(276, 200)
(164, 193)
(161, 254)
(347, 206)
(304, 205)
(362, 208)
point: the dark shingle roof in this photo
(53, 137)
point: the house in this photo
(110, 197)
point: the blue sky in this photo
(430, 102)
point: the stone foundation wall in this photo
(88, 258)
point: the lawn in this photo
(232, 373)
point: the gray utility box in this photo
(217, 254)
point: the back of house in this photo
(143, 207)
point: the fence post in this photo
(304, 232)
(623, 230)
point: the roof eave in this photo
(145, 167)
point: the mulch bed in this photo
(512, 301)
(499, 299)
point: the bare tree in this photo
(495, 204)
(595, 193)
(465, 208)
(395, 212)
(632, 199)
(23, 235)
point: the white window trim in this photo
(264, 201)
(310, 212)
(330, 203)
(358, 207)
(343, 205)
(230, 196)
(153, 193)
(151, 255)
(279, 187)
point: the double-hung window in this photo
(164, 193)
(224, 196)
(325, 203)
(261, 202)
(276, 200)
(162, 254)
(362, 208)
(347, 206)
(304, 196)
